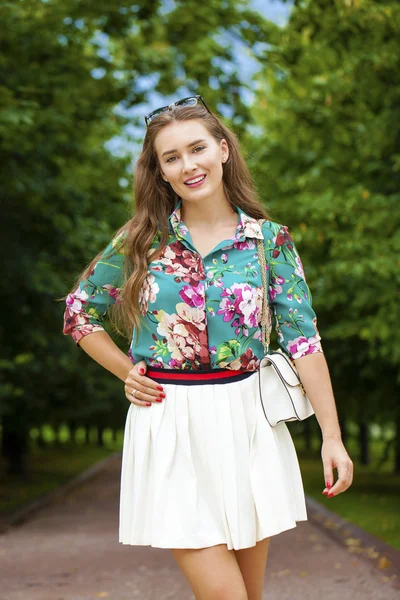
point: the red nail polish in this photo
(328, 484)
(158, 399)
(159, 387)
(148, 403)
(325, 493)
(330, 495)
(162, 395)
(141, 371)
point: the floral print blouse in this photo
(205, 312)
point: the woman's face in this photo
(190, 159)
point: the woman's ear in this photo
(224, 150)
(161, 174)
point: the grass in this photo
(371, 502)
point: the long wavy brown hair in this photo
(155, 200)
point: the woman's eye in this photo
(197, 148)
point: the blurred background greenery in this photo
(312, 88)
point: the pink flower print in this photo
(76, 301)
(275, 289)
(113, 292)
(249, 307)
(191, 315)
(248, 360)
(290, 298)
(182, 263)
(185, 334)
(242, 301)
(246, 245)
(284, 237)
(252, 228)
(224, 258)
(228, 308)
(301, 346)
(131, 355)
(148, 293)
(299, 270)
(236, 324)
(193, 296)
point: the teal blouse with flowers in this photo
(205, 312)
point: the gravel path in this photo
(70, 551)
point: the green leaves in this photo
(227, 350)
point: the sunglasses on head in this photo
(189, 101)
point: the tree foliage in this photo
(73, 70)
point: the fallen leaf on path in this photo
(352, 541)
(383, 563)
(283, 573)
(371, 552)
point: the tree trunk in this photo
(100, 441)
(307, 430)
(397, 444)
(72, 431)
(364, 444)
(15, 443)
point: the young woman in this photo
(203, 473)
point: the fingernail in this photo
(325, 493)
(158, 399)
(141, 371)
(160, 387)
(328, 484)
(330, 495)
(148, 403)
(162, 395)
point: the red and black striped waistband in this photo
(196, 376)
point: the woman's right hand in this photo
(148, 391)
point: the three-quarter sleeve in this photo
(289, 296)
(88, 304)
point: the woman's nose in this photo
(188, 164)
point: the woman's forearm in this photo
(314, 375)
(103, 350)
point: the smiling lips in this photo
(195, 181)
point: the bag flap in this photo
(281, 362)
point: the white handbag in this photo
(283, 397)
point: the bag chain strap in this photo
(266, 311)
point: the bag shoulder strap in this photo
(266, 322)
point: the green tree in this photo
(325, 150)
(73, 70)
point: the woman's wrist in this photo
(331, 436)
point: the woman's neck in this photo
(208, 213)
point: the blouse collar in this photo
(247, 227)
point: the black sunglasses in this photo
(189, 101)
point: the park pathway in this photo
(70, 551)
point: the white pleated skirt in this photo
(204, 467)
